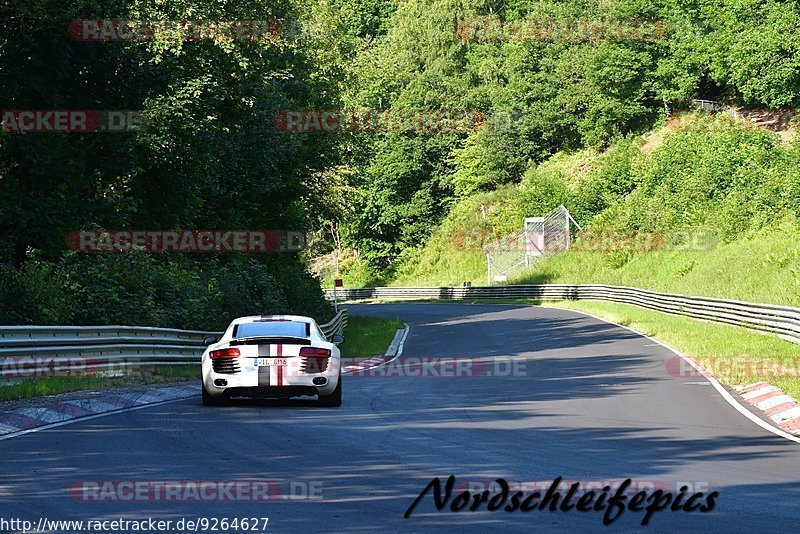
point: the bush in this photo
(32, 295)
(152, 290)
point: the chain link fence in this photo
(515, 253)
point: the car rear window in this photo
(272, 328)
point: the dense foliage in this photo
(208, 157)
(735, 187)
(541, 97)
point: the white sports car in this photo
(272, 356)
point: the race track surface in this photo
(544, 393)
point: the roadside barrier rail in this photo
(781, 320)
(67, 350)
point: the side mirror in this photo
(208, 340)
(337, 339)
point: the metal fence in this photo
(708, 105)
(518, 251)
(68, 350)
(781, 320)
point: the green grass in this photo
(453, 253)
(759, 267)
(368, 336)
(39, 387)
(763, 267)
(735, 356)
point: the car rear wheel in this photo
(334, 400)
(210, 400)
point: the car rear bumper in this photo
(270, 392)
(249, 382)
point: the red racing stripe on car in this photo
(279, 368)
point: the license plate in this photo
(272, 361)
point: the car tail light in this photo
(224, 353)
(316, 360)
(315, 352)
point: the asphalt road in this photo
(549, 393)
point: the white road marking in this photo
(6, 429)
(184, 392)
(719, 387)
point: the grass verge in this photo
(760, 267)
(368, 336)
(39, 387)
(763, 267)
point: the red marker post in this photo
(336, 283)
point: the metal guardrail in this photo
(336, 325)
(781, 320)
(68, 350)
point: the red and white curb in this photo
(18, 421)
(392, 353)
(363, 365)
(781, 408)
